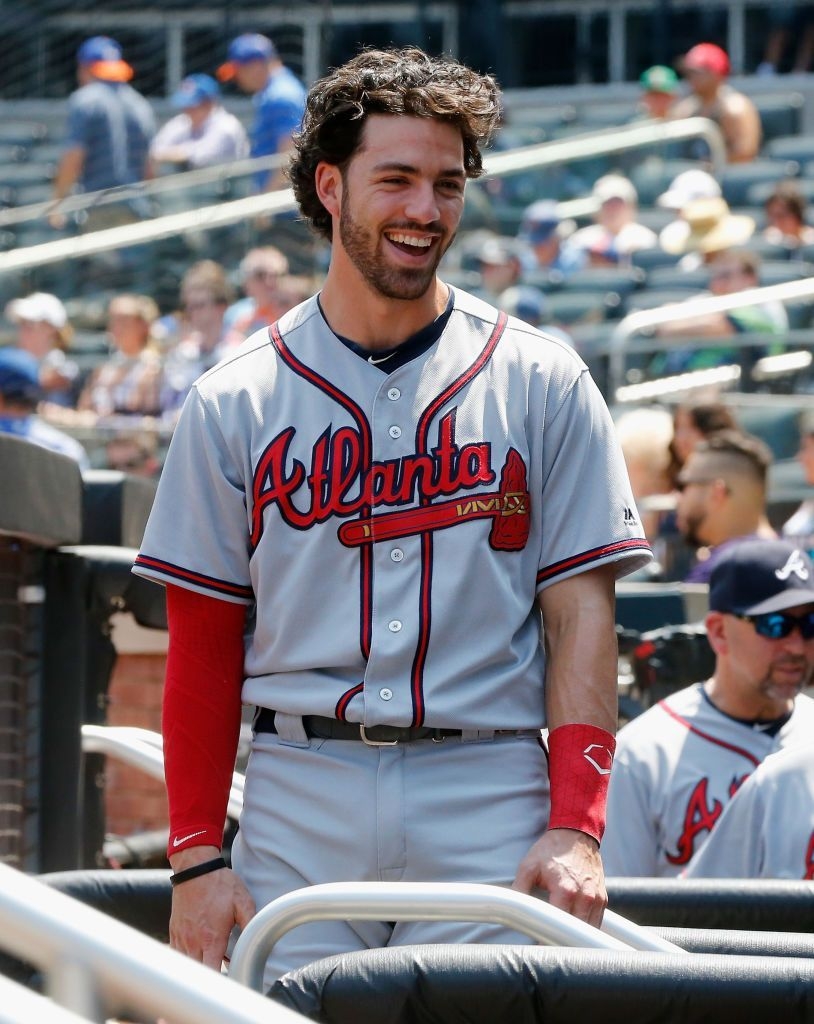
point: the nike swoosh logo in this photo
(179, 842)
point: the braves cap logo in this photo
(794, 564)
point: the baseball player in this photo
(678, 765)
(767, 830)
(385, 491)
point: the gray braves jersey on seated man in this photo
(767, 831)
(394, 529)
(676, 768)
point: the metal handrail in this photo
(144, 749)
(426, 901)
(95, 963)
(270, 203)
(610, 140)
(688, 309)
(176, 182)
(19, 1005)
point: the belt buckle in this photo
(375, 743)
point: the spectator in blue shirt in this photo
(110, 126)
(20, 394)
(279, 99)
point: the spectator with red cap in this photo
(706, 68)
(203, 133)
(279, 98)
(110, 126)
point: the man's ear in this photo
(716, 635)
(328, 185)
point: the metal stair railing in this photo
(428, 901)
(144, 749)
(96, 966)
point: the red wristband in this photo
(579, 766)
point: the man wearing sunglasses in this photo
(678, 765)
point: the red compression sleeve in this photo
(579, 766)
(201, 713)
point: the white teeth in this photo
(421, 243)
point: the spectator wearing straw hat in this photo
(110, 126)
(278, 97)
(203, 133)
(704, 228)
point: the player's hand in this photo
(566, 863)
(204, 911)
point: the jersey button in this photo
(393, 394)
(386, 694)
(397, 554)
(394, 626)
(394, 431)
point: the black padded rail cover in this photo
(141, 899)
(41, 494)
(739, 943)
(115, 507)
(749, 904)
(542, 985)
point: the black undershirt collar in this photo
(390, 359)
(769, 728)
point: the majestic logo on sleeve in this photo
(338, 485)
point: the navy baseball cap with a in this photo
(244, 49)
(759, 576)
(19, 374)
(195, 89)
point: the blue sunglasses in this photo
(776, 625)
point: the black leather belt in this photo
(317, 727)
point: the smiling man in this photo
(383, 491)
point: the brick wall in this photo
(134, 801)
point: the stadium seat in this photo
(757, 194)
(23, 133)
(650, 259)
(15, 174)
(572, 307)
(781, 114)
(676, 279)
(790, 147)
(652, 177)
(622, 280)
(736, 179)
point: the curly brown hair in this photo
(395, 81)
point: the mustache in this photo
(434, 228)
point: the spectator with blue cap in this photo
(109, 129)
(546, 233)
(20, 393)
(278, 96)
(203, 133)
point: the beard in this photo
(393, 282)
(689, 527)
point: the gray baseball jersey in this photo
(767, 831)
(676, 768)
(394, 529)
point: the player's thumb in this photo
(244, 907)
